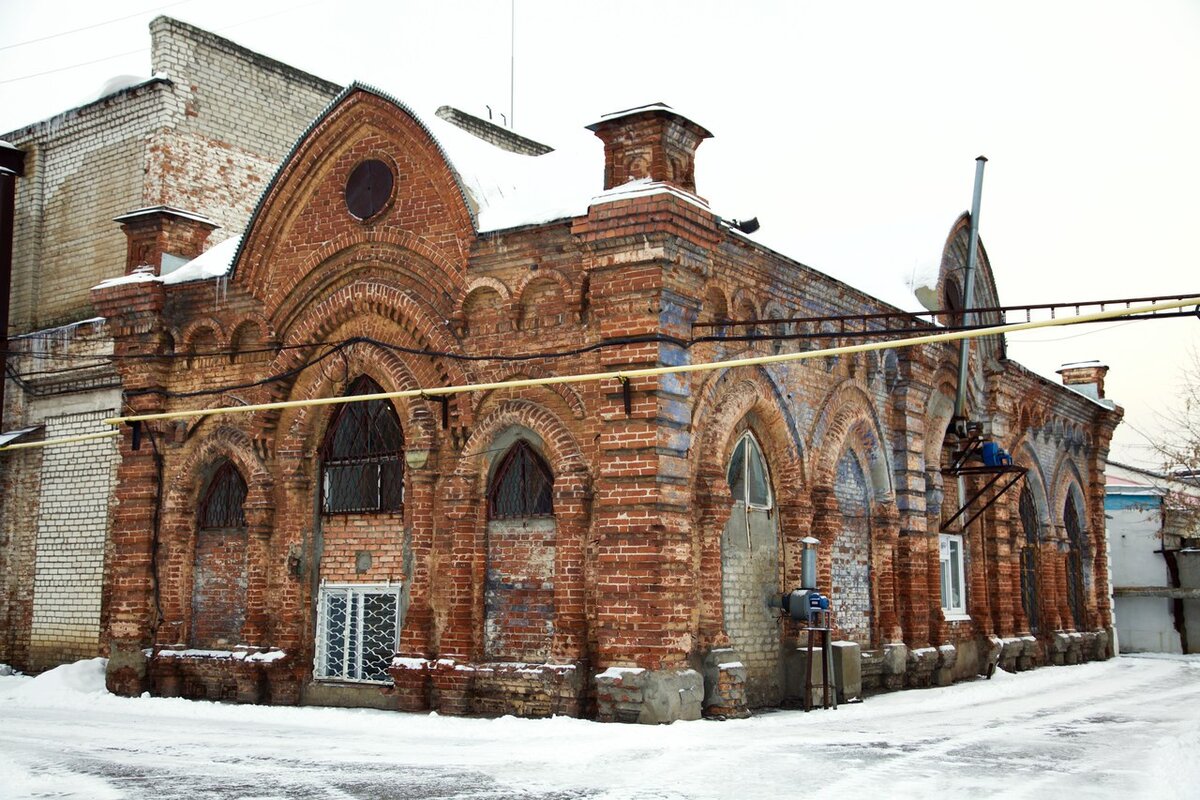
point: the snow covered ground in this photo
(1124, 728)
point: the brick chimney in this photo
(163, 237)
(649, 142)
(1086, 377)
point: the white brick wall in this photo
(750, 576)
(77, 482)
(850, 593)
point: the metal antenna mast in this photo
(512, 61)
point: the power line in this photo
(93, 26)
(1075, 335)
(71, 66)
(289, 10)
(332, 348)
(911, 319)
(625, 376)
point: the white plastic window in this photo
(749, 481)
(950, 554)
(357, 631)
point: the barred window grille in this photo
(357, 632)
(1031, 528)
(522, 485)
(222, 503)
(1075, 586)
(363, 456)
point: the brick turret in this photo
(649, 142)
(163, 237)
(1086, 377)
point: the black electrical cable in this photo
(337, 347)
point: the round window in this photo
(368, 188)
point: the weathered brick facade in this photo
(196, 145)
(643, 595)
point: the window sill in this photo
(949, 616)
(349, 683)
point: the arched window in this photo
(1075, 554)
(362, 460)
(953, 304)
(1032, 531)
(747, 474)
(522, 485)
(221, 504)
(218, 601)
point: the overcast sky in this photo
(850, 129)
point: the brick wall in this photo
(72, 525)
(850, 586)
(361, 548)
(750, 574)
(219, 584)
(206, 138)
(233, 114)
(20, 484)
(519, 590)
(83, 168)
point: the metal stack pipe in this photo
(968, 299)
(808, 563)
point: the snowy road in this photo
(1126, 728)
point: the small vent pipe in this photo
(808, 563)
(968, 299)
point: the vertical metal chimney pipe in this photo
(808, 563)
(12, 166)
(960, 401)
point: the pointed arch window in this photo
(362, 460)
(749, 481)
(221, 506)
(954, 303)
(522, 485)
(1075, 553)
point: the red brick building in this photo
(589, 549)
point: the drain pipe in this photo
(960, 400)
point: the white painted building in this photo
(1156, 599)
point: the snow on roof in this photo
(628, 112)
(511, 190)
(139, 275)
(212, 263)
(1077, 364)
(645, 187)
(637, 110)
(176, 212)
